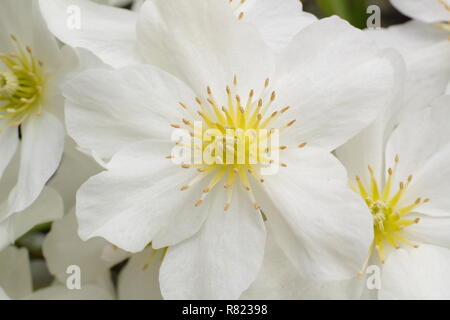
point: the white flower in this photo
(429, 11)
(418, 269)
(406, 189)
(46, 208)
(31, 66)
(110, 32)
(334, 89)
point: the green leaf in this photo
(354, 11)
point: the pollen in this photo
(389, 218)
(236, 138)
(21, 85)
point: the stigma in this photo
(21, 85)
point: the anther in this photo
(285, 109)
(291, 123)
(198, 203)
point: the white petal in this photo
(138, 200)
(221, 260)
(48, 207)
(106, 110)
(60, 292)
(426, 50)
(416, 274)
(3, 295)
(321, 224)
(76, 167)
(429, 230)
(139, 279)
(368, 147)
(408, 37)
(41, 149)
(106, 31)
(279, 279)
(335, 81)
(9, 140)
(23, 19)
(76, 60)
(63, 248)
(422, 143)
(202, 43)
(424, 10)
(15, 274)
(278, 21)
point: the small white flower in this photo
(31, 66)
(217, 234)
(406, 189)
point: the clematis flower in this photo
(110, 33)
(31, 66)
(405, 188)
(410, 244)
(220, 72)
(428, 11)
(425, 50)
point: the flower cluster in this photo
(223, 149)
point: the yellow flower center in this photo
(235, 141)
(21, 85)
(389, 219)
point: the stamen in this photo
(232, 120)
(21, 84)
(387, 217)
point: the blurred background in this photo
(354, 11)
